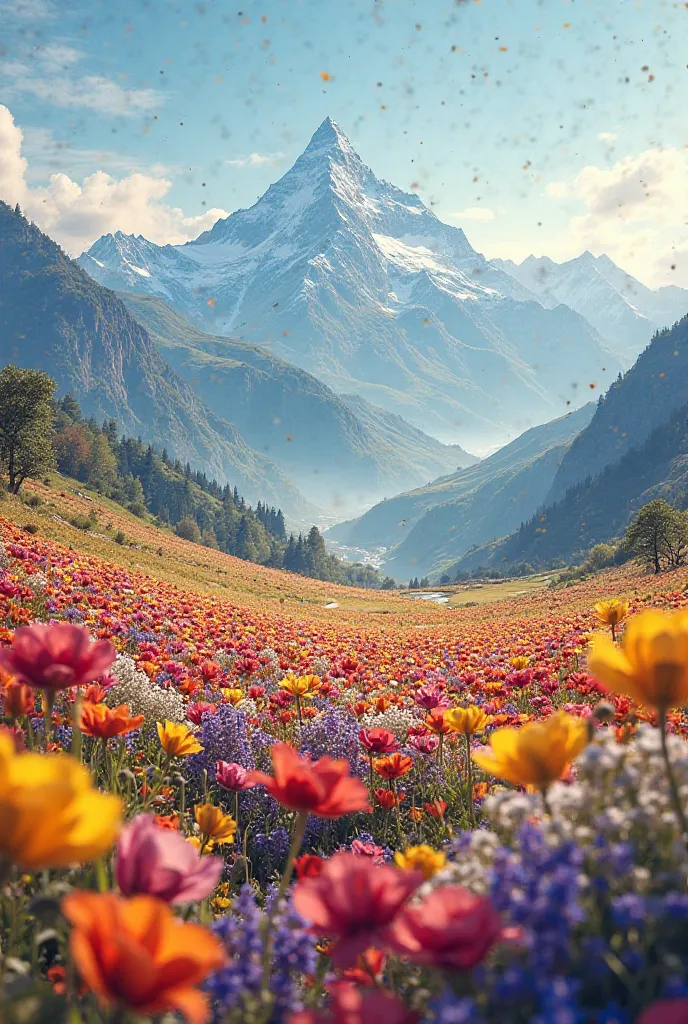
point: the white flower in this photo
(134, 688)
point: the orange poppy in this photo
(103, 722)
(393, 766)
(324, 788)
(135, 954)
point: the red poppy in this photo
(378, 741)
(56, 656)
(324, 788)
(368, 968)
(387, 798)
(353, 902)
(309, 865)
(436, 809)
(451, 928)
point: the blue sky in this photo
(537, 125)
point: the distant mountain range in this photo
(358, 283)
(341, 451)
(54, 317)
(635, 448)
(429, 527)
(625, 312)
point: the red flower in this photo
(56, 656)
(309, 865)
(368, 967)
(436, 809)
(665, 1011)
(370, 850)
(323, 787)
(17, 700)
(387, 798)
(354, 903)
(378, 741)
(425, 744)
(349, 1005)
(450, 928)
(195, 712)
(232, 776)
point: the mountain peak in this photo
(329, 136)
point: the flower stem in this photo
(671, 778)
(469, 777)
(48, 716)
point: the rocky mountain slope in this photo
(625, 312)
(54, 317)
(360, 284)
(341, 451)
(426, 527)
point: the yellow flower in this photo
(221, 903)
(651, 666)
(301, 686)
(177, 740)
(214, 825)
(421, 858)
(611, 613)
(538, 753)
(233, 696)
(466, 720)
(520, 661)
(50, 814)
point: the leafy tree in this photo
(26, 424)
(658, 535)
(187, 528)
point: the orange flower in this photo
(17, 700)
(323, 787)
(435, 722)
(136, 955)
(436, 809)
(387, 798)
(393, 766)
(103, 722)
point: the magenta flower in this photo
(424, 744)
(56, 656)
(232, 776)
(158, 862)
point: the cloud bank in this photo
(76, 213)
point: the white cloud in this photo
(636, 211)
(482, 213)
(76, 213)
(256, 160)
(29, 10)
(50, 74)
(607, 136)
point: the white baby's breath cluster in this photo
(134, 688)
(4, 558)
(37, 582)
(397, 720)
(320, 665)
(248, 706)
(620, 796)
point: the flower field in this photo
(225, 801)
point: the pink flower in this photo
(370, 850)
(348, 1005)
(158, 862)
(665, 1011)
(232, 776)
(378, 741)
(195, 712)
(450, 928)
(431, 696)
(56, 656)
(424, 744)
(354, 903)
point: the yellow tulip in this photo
(421, 858)
(214, 825)
(466, 720)
(520, 661)
(301, 686)
(50, 814)
(177, 740)
(538, 753)
(233, 695)
(611, 613)
(651, 666)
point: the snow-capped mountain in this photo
(357, 282)
(625, 312)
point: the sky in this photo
(539, 126)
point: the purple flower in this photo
(161, 863)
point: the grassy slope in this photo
(201, 570)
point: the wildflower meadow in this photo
(238, 810)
